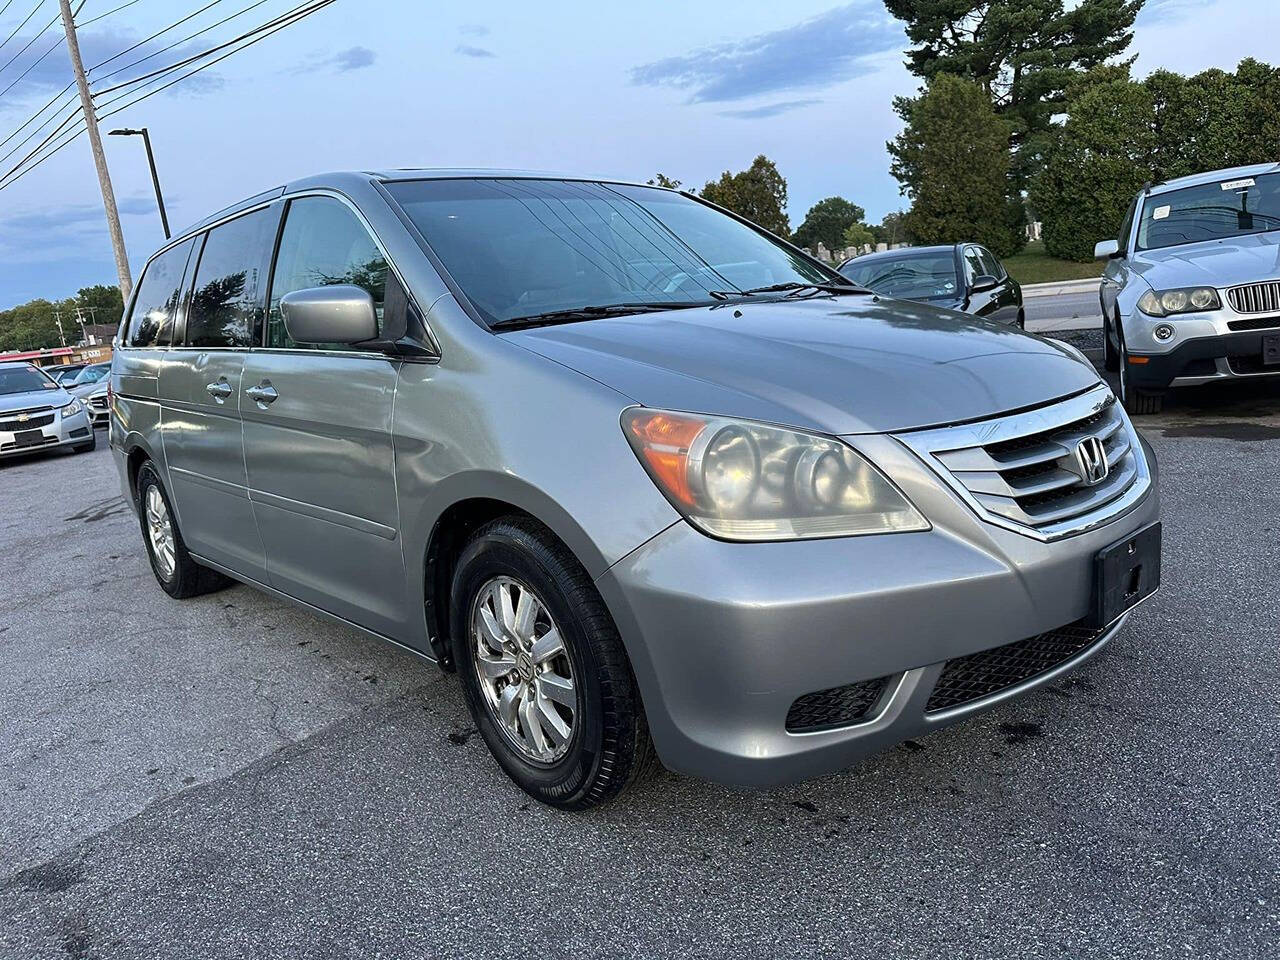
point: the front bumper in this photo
(58, 431)
(725, 637)
(1203, 360)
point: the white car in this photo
(98, 402)
(1191, 293)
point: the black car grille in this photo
(1254, 323)
(980, 675)
(836, 707)
(32, 423)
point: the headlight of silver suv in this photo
(72, 408)
(741, 480)
(1161, 303)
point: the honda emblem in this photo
(1091, 458)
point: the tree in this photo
(953, 161)
(758, 193)
(826, 222)
(892, 229)
(857, 235)
(1120, 134)
(1024, 54)
(662, 180)
(102, 302)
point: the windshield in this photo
(1211, 211)
(913, 277)
(520, 248)
(23, 380)
(91, 374)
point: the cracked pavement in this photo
(233, 777)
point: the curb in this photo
(1058, 287)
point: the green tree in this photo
(1024, 54)
(758, 193)
(31, 326)
(662, 180)
(857, 234)
(102, 302)
(892, 229)
(826, 222)
(952, 160)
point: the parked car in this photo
(38, 414)
(98, 402)
(1191, 292)
(645, 475)
(87, 380)
(963, 276)
(65, 374)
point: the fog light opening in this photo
(1163, 332)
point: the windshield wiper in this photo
(575, 314)
(791, 288)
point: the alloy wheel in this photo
(160, 532)
(524, 670)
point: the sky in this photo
(618, 90)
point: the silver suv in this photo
(656, 484)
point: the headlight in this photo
(72, 408)
(741, 480)
(1185, 300)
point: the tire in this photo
(91, 444)
(177, 573)
(1110, 355)
(1022, 320)
(1137, 402)
(601, 744)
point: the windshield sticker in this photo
(1160, 212)
(1237, 184)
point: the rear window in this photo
(155, 308)
(226, 308)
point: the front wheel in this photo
(544, 671)
(1110, 355)
(177, 573)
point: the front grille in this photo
(1255, 297)
(1254, 323)
(1022, 471)
(99, 403)
(836, 707)
(980, 675)
(1250, 365)
(32, 423)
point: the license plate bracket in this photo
(1125, 574)
(29, 438)
(1271, 349)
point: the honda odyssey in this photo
(657, 485)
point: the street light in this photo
(151, 160)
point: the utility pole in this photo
(57, 318)
(99, 157)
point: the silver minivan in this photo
(656, 484)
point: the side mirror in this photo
(1106, 249)
(341, 313)
(983, 282)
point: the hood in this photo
(836, 365)
(34, 398)
(1212, 263)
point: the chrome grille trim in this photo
(1019, 471)
(1255, 297)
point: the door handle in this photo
(219, 389)
(264, 393)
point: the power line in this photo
(103, 16)
(57, 96)
(27, 45)
(297, 12)
(158, 33)
(35, 63)
(18, 171)
(39, 4)
(39, 146)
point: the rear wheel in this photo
(1136, 401)
(544, 671)
(177, 573)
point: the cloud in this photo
(101, 48)
(469, 51)
(1157, 11)
(473, 30)
(819, 52)
(353, 58)
(769, 109)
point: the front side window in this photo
(1210, 211)
(1126, 225)
(225, 307)
(323, 243)
(23, 379)
(155, 307)
(920, 276)
(990, 265)
(520, 248)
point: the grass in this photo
(1033, 265)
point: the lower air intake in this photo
(836, 707)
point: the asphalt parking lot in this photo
(233, 777)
